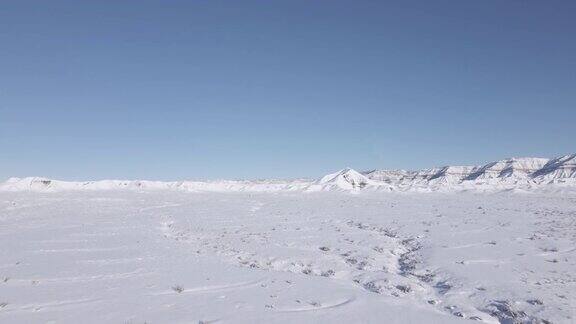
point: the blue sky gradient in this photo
(260, 89)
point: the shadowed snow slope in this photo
(452, 174)
(508, 168)
(558, 168)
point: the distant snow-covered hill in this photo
(512, 173)
(520, 168)
(522, 174)
(43, 184)
(345, 179)
(560, 168)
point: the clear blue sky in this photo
(253, 89)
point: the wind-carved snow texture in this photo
(157, 257)
(515, 174)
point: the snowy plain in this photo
(157, 257)
(348, 248)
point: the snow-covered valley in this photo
(179, 257)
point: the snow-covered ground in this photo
(285, 256)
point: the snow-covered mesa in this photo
(508, 174)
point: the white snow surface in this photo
(170, 256)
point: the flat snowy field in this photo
(326, 257)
